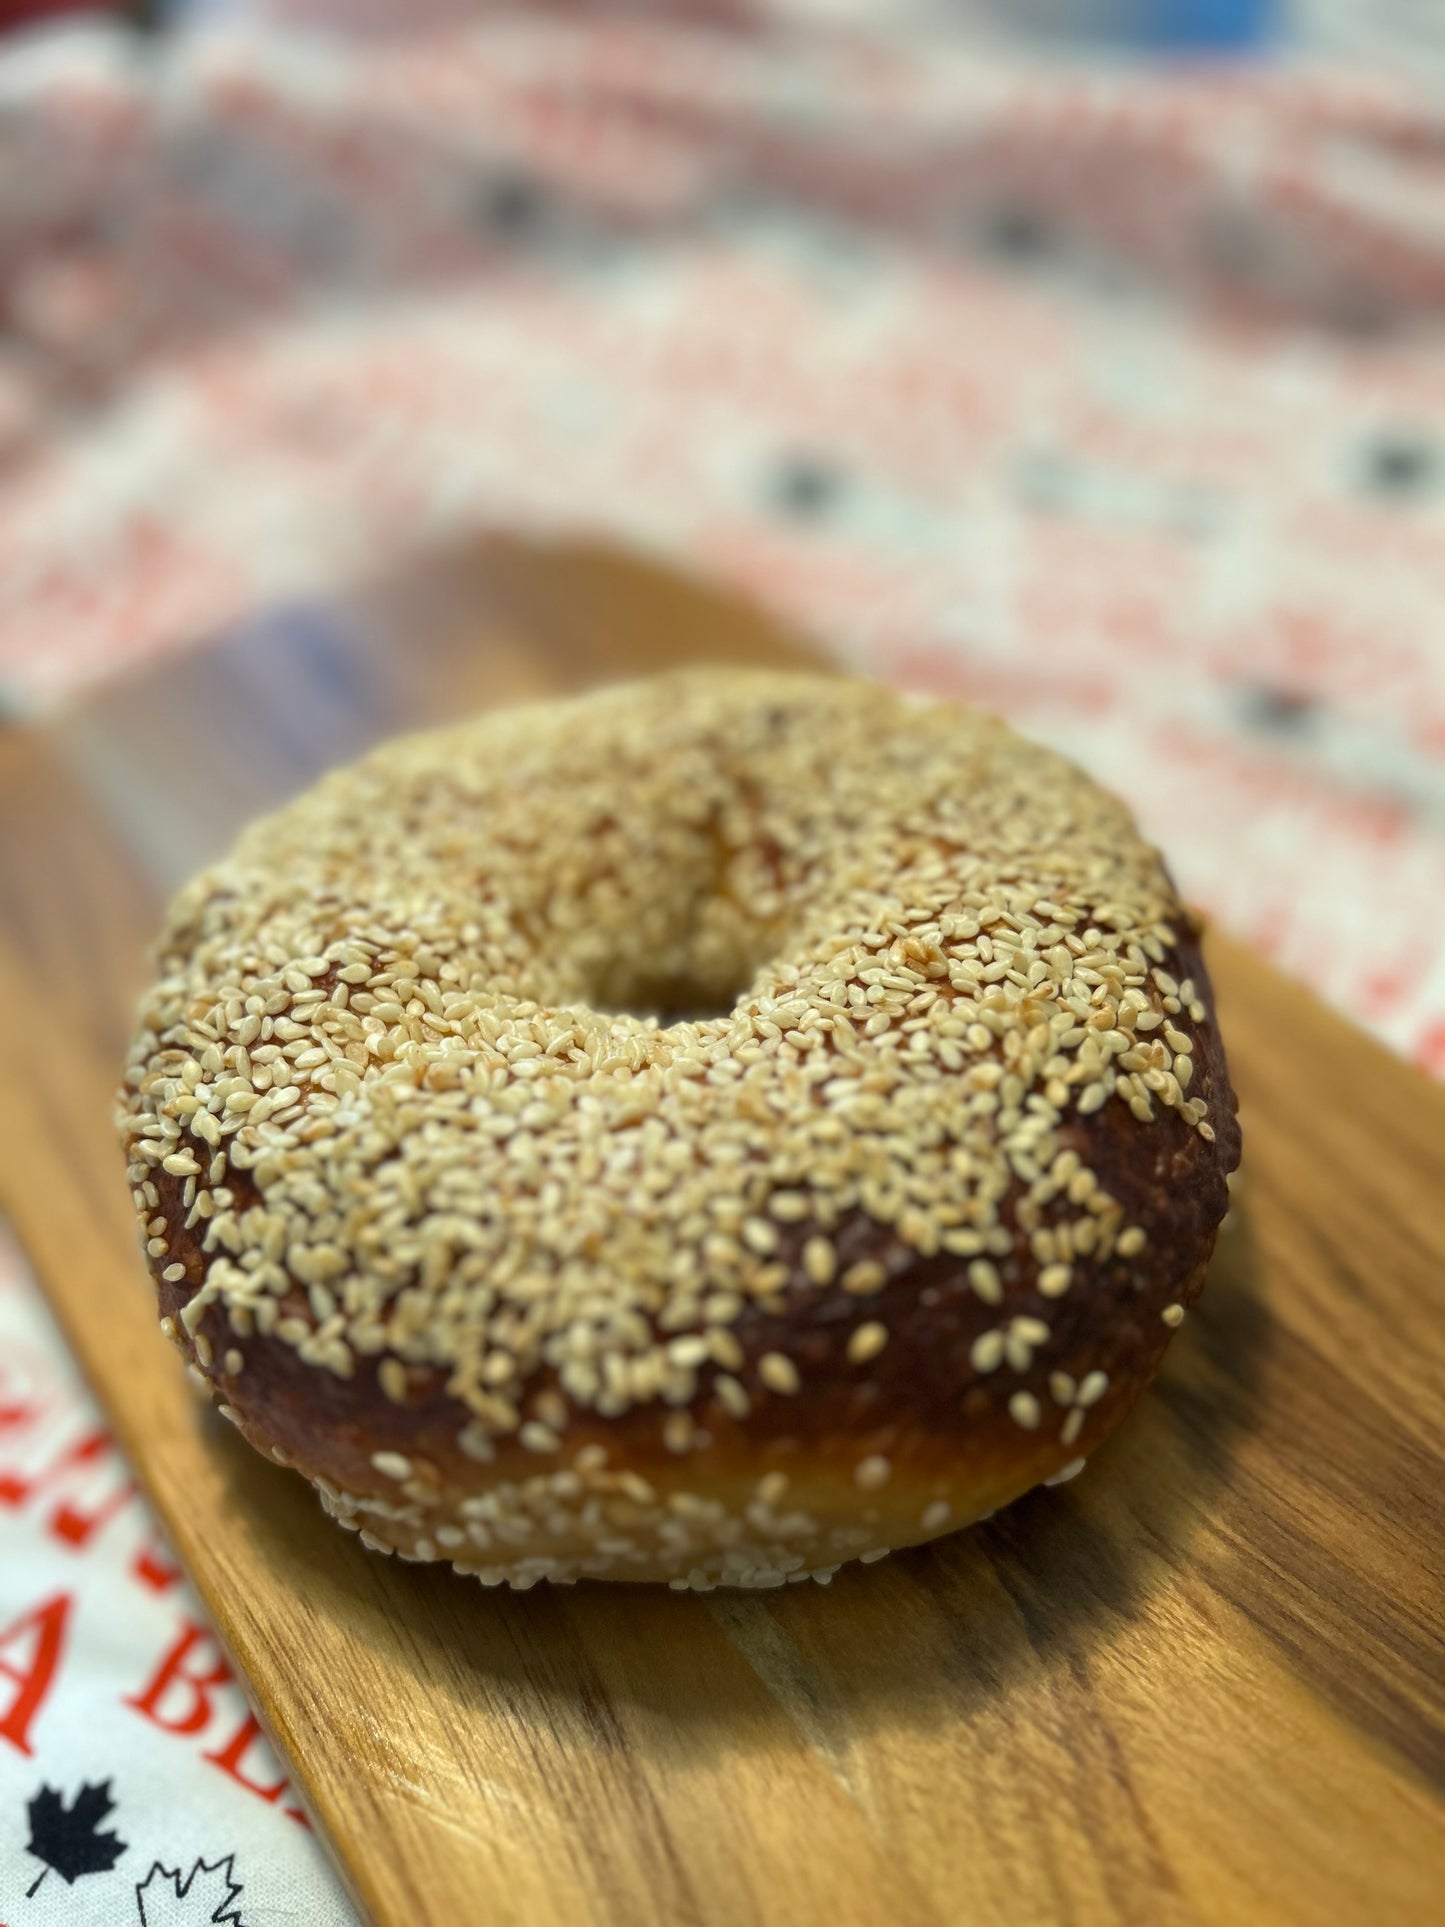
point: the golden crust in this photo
(896, 1236)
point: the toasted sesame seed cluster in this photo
(707, 1130)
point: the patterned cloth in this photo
(114, 1693)
(1115, 402)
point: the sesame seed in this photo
(1067, 1472)
(778, 1373)
(391, 1465)
(1131, 1242)
(689, 1351)
(1024, 1410)
(732, 1395)
(984, 1277)
(986, 1353)
(872, 1473)
(391, 1375)
(789, 1207)
(1173, 1315)
(1054, 1280)
(867, 1342)
(864, 1278)
(936, 1515)
(760, 1236)
(820, 1261)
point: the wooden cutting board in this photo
(1204, 1682)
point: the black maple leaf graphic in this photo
(67, 1838)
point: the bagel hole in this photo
(677, 999)
(692, 943)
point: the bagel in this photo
(706, 1130)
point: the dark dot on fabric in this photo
(1233, 246)
(805, 486)
(1016, 234)
(1281, 711)
(1400, 464)
(512, 204)
(1361, 318)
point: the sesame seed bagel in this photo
(707, 1130)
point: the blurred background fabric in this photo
(1109, 395)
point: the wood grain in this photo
(1203, 1683)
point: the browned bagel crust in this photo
(876, 1452)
